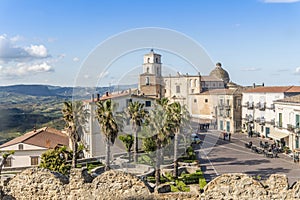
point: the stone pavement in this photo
(219, 157)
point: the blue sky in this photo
(46, 42)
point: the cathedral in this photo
(209, 98)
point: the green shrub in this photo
(181, 186)
(151, 179)
(93, 165)
(169, 176)
(202, 183)
(174, 188)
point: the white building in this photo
(258, 110)
(30, 146)
(93, 138)
(287, 116)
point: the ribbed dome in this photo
(220, 73)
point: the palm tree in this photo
(174, 112)
(75, 115)
(158, 124)
(110, 125)
(137, 113)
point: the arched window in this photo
(191, 83)
(195, 82)
(147, 70)
(148, 60)
(156, 60)
(147, 81)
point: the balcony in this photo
(248, 118)
(272, 122)
(262, 121)
(260, 106)
(272, 107)
(228, 107)
(221, 106)
(246, 104)
(290, 128)
(250, 105)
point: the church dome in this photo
(220, 73)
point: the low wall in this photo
(42, 184)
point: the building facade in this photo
(93, 139)
(258, 109)
(287, 117)
(220, 107)
(29, 147)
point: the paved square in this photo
(218, 157)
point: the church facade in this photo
(202, 95)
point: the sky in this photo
(48, 42)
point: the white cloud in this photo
(76, 59)
(16, 38)
(103, 75)
(10, 52)
(251, 69)
(22, 69)
(38, 51)
(297, 71)
(280, 1)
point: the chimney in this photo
(263, 84)
(98, 97)
(93, 98)
(34, 129)
(106, 94)
(129, 90)
(253, 85)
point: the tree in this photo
(175, 118)
(75, 115)
(136, 113)
(5, 156)
(158, 125)
(110, 124)
(128, 141)
(56, 160)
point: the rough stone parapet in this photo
(45, 185)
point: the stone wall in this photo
(42, 184)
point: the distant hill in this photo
(34, 90)
(23, 107)
(66, 92)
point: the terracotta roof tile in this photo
(44, 137)
(274, 89)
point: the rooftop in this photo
(44, 137)
(293, 99)
(227, 91)
(274, 89)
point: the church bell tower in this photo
(150, 81)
